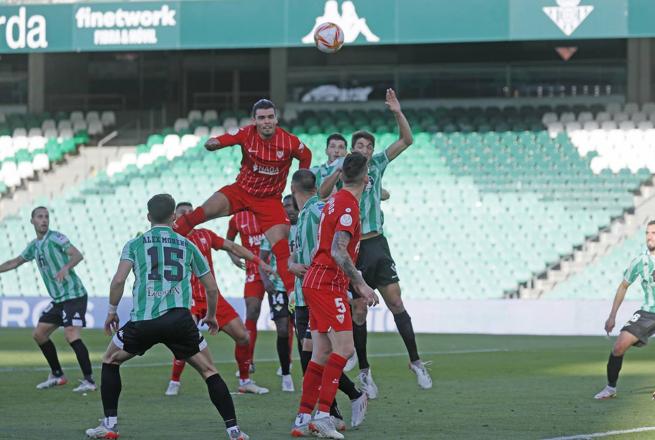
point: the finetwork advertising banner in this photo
(196, 24)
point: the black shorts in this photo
(176, 330)
(279, 304)
(641, 325)
(302, 322)
(376, 263)
(71, 313)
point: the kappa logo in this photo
(203, 241)
(568, 15)
(348, 20)
(340, 318)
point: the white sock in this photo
(110, 422)
(302, 419)
(243, 382)
(321, 415)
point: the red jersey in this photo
(266, 162)
(205, 240)
(341, 213)
(245, 224)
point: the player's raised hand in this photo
(212, 324)
(111, 323)
(212, 144)
(299, 270)
(392, 102)
(238, 262)
(609, 324)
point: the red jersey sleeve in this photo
(232, 138)
(232, 229)
(345, 221)
(217, 241)
(303, 154)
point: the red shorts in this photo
(254, 289)
(224, 311)
(268, 210)
(328, 310)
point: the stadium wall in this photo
(498, 317)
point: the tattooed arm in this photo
(339, 252)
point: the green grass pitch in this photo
(485, 387)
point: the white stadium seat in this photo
(194, 116)
(180, 123)
(210, 115)
(201, 131)
(77, 116)
(108, 118)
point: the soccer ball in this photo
(328, 38)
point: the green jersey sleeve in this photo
(380, 161)
(128, 252)
(30, 251)
(199, 265)
(60, 241)
(633, 271)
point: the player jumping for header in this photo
(267, 155)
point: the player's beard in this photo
(651, 247)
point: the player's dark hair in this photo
(179, 205)
(336, 137)
(650, 223)
(362, 134)
(304, 180)
(36, 209)
(354, 167)
(161, 208)
(263, 104)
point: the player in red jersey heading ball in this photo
(267, 155)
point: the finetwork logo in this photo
(125, 27)
(568, 15)
(23, 31)
(348, 20)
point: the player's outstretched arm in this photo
(405, 138)
(116, 289)
(326, 188)
(225, 140)
(12, 264)
(618, 300)
(74, 258)
(241, 252)
(304, 155)
(339, 252)
(211, 289)
(264, 255)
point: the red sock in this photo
(281, 252)
(311, 384)
(330, 382)
(242, 355)
(187, 222)
(251, 326)
(178, 367)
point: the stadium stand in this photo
(32, 143)
(482, 192)
(602, 277)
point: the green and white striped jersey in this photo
(51, 256)
(163, 262)
(643, 266)
(321, 172)
(370, 205)
(275, 279)
(305, 238)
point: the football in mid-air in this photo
(328, 38)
